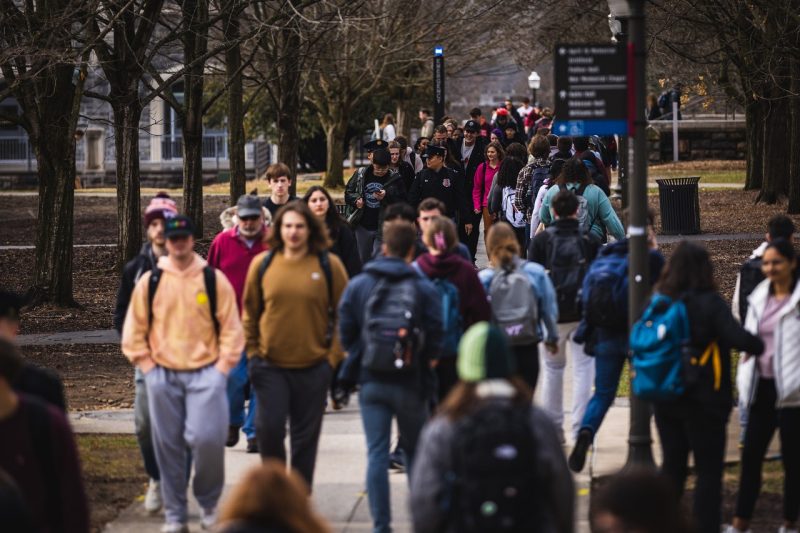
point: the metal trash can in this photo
(680, 206)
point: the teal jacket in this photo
(600, 211)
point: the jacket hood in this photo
(759, 252)
(228, 218)
(166, 264)
(389, 267)
(440, 266)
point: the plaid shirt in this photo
(524, 186)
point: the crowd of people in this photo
(296, 307)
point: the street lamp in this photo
(534, 82)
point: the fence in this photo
(215, 146)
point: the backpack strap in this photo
(325, 264)
(152, 286)
(210, 280)
(262, 269)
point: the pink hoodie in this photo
(484, 176)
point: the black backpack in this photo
(493, 483)
(392, 332)
(210, 280)
(538, 177)
(566, 264)
(750, 275)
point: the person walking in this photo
(428, 210)
(769, 386)
(471, 153)
(391, 328)
(279, 179)
(463, 298)
(427, 123)
(388, 132)
(399, 165)
(566, 253)
(160, 207)
(444, 184)
(696, 422)
(367, 194)
(519, 289)
(38, 452)
(231, 252)
(183, 332)
(290, 298)
(596, 213)
(490, 460)
(532, 177)
(343, 241)
(484, 178)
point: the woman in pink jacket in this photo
(482, 184)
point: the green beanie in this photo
(484, 353)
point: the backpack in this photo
(750, 275)
(539, 176)
(210, 280)
(493, 482)
(657, 344)
(325, 264)
(584, 221)
(664, 103)
(392, 333)
(513, 217)
(452, 325)
(515, 309)
(566, 266)
(605, 293)
(599, 179)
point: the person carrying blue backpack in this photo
(681, 362)
(604, 331)
(463, 298)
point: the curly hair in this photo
(317, 234)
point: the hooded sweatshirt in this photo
(473, 304)
(182, 335)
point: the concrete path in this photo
(98, 336)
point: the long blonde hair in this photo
(502, 245)
(269, 496)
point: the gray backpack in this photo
(514, 305)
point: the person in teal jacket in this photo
(600, 216)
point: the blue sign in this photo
(438, 51)
(584, 128)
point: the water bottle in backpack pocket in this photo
(657, 343)
(392, 333)
(515, 309)
(493, 483)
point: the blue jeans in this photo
(610, 354)
(237, 382)
(380, 402)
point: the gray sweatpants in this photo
(188, 409)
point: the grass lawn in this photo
(113, 474)
(707, 171)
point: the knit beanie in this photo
(161, 206)
(483, 353)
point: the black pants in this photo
(446, 377)
(763, 419)
(704, 435)
(471, 240)
(299, 395)
(527, 358)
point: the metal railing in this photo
(215, 146)
(15, 148)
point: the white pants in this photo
(553, 383)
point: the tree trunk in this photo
(127, 114)
(754, 135)
(775, 150)
(401, 123)
(236, 140)
(289, 135)
(794, 141)
(335, 132)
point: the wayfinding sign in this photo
(591, 89)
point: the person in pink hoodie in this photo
(183, 331)
(484, 177)
(451, 273)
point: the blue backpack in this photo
(605, 293)
(452, 326)
(539, 176)
(657, 342)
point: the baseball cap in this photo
(381, 157)
(472, 126)
(434, 150)
(375, 144)
(248, 206)
(179, 226)
(502, 112)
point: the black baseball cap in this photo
(431, 151)
(248, 206)
(376, 144)
(179, 226)
(472, 126)
(381, 157)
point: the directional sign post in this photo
(591, 89)
(438, 84)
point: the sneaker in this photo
(578, 456)
(396, 460)
(731, 529)
(252, 446)
(152, 498)
(208, 518)
(233, 436)
(174, 527)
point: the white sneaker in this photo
(731, 529)
(784, 529)
(152, 499)
(173, 527)
(208, 518)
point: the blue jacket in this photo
(352, 316)
(545, 295)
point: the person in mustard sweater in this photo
(290, 299)
(182, 330)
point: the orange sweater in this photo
(182, 335)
